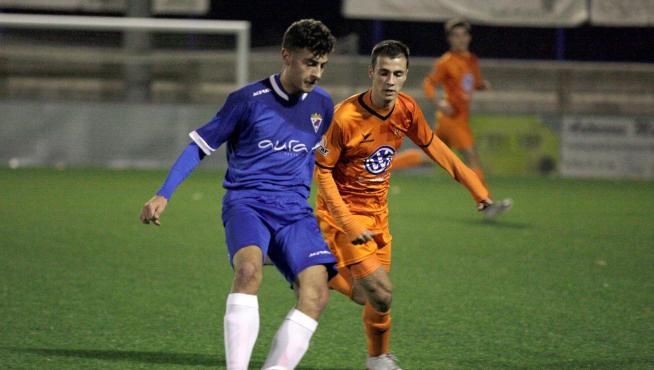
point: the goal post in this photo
(241, 29)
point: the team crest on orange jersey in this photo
(379, 160)
(396, 130)
(316, 120)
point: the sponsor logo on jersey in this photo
(374, 179)
(322, 147)
(259, 92)
(380, 160)
(319, 253)
(316, 120)
(293, 146)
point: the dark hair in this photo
(309, 34)
(454, 23)
(391, 49)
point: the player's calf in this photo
(292, 339)
(312, 291)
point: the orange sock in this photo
(378, 330)
(342, 282)
(407, 158)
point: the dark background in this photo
(585, 43)
(270, 18)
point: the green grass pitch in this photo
(564, 281)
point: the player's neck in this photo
(286, 84)
(380, 104)
(459, 51)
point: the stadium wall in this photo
(72, 111)
(111, 135)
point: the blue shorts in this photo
(284, 227)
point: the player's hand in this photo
(486, 85)
(153, 209)
(484, 204)
(363, 238)
(445, 107)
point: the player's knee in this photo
(359, 295)
(381, 298)
(313, 300)
(318, 297)
(382, 303)
(247, 277)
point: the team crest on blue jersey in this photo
(379, 160)
(316, 120)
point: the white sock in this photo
(241, 329)
(291, 341)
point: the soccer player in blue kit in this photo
(272, 128)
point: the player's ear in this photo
(286, 56)
(371, 71)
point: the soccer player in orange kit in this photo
(353, 166)
(458, 72)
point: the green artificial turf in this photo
(564, 281)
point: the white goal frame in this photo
(241, 29)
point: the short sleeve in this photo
(330, 148)
(215, 132)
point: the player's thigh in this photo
(298, 246)
(455, 131)
(459, 138)
(371, 275)
(244, 228)
(383, 240)
(341, 245)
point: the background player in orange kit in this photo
(353, 167)
(458, 72)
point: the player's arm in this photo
(480, 82)
(326, 158)
(356, 232)
(431, 82)
(206, 140)
(185, 164)
(421, 134)
(444, 157)
(429, 87)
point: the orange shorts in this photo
(454, 131)
(347, 253)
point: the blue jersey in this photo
(271, 136)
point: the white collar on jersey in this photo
(279, 91)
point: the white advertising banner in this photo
(622, 13)
(538, 13)
(182, 7)
(609, 147)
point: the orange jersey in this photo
(460, 76)
(359, 148)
